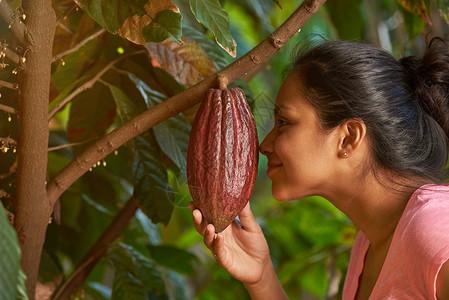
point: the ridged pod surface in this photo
(222, 156)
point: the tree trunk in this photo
(32, 207)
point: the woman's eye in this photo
(280, 123)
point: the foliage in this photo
(159, 51)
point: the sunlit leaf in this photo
(151, 189)
(416, 7)
(166, 24)
(211, 48)
(132, 20)
(215, 18)
(443, 6)
(187, 62)
(414, 25)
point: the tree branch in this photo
(8, 85)
(69, 145)
(261, 54)
(11, 55)
(66, 12)
(8, 109)
(17, 27)
(79, 45)
(31, 206)
(89, 84)
(98, 250)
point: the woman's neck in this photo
(375, 207)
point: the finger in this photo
(209, 237)
(219, 249)
(247, 219)
(199, 222)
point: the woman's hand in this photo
(241, 250)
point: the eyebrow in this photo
(279, 108)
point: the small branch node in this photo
(135, 126)
(255, 59)
(311, 7)
(276, 42)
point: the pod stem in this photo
(222, 81)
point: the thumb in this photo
(247, 219)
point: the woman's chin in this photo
(282, 197)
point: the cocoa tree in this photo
(90, 76)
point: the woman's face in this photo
(301, 157)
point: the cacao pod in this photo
(222, 156)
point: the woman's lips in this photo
(272, 166)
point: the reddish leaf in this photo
(187, 62)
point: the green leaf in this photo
(166, 24)
(146, 271)
(138, 270)
(417, 8)
(214, 17)
(131, 19)
(211, 48)
(443, 6)
(174, 258)
(414, 25)
(347, 19)
(172, 135)
(126, 286)
(11, 276)
(91, 114)
(150, 229)
(151, 189)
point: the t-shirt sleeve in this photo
(426, 242)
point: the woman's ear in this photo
(352, 135)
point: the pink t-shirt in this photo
(420, 246)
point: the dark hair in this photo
(404, 103)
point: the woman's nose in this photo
(266, 147)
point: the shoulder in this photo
(426, 219)
(424, 234)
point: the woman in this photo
(370, 134)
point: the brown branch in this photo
(66, 12)
(31, 206)
(62, 3)
(68, 145)
(89, 84)
(79, 45)
(261, 54)
(8, 85)
(8, 140)
(12, 170)
(17, 27)
(14, 57)
(98, 250)
(8, 109)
